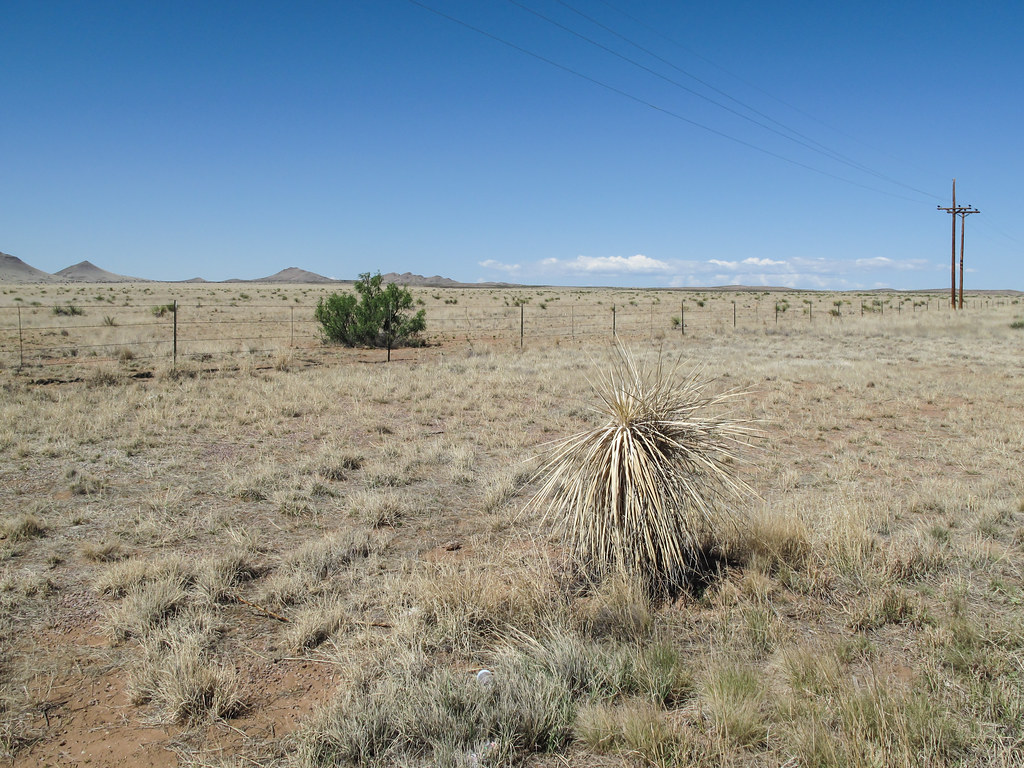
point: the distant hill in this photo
(295, 275)
(14, 270)
(408, 278)
(419, 281)
(87, 272)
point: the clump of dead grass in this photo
(309, 570)
(179, 675)
(104, 551)
(381, 508)
(21, 527)
(314, 623)
(146, 607)
(458, 607)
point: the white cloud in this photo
(499, 266)
(876, 261)
(638, 264)
(752, 261)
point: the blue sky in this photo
(173, 140)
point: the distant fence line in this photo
(40, 335)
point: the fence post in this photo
(613, 321)
(387, 330)
(174, 322)
(734, 314)
(682, 318)
(572, 321)
(776, 311)
(522, 323)
(291, 338)
(21, 344)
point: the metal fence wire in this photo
(42, 335)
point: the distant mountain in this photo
(408, 278)
(295, 275)
(87, 272)
(14, 270)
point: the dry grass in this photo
(868, 610)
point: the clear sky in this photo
(583, 142)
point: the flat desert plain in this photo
(291, 555)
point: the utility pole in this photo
(953, 211)
(963, 221)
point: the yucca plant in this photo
(645, 492)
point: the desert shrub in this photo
(162, 309)
(68, 310)
(644, 493)
(376, 316)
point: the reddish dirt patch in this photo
(88, 718)
(91, 722)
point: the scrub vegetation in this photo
(319, 560)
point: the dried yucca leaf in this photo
(644, 492)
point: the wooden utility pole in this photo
(963, 221)
(953, 211)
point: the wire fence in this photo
(45, 335)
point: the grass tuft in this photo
(21, 527)
(178, 674)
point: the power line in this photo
(825, 152)
(651, 105)
(755, 86)
(807, 141)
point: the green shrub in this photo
(376, 316)
(163, 309)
